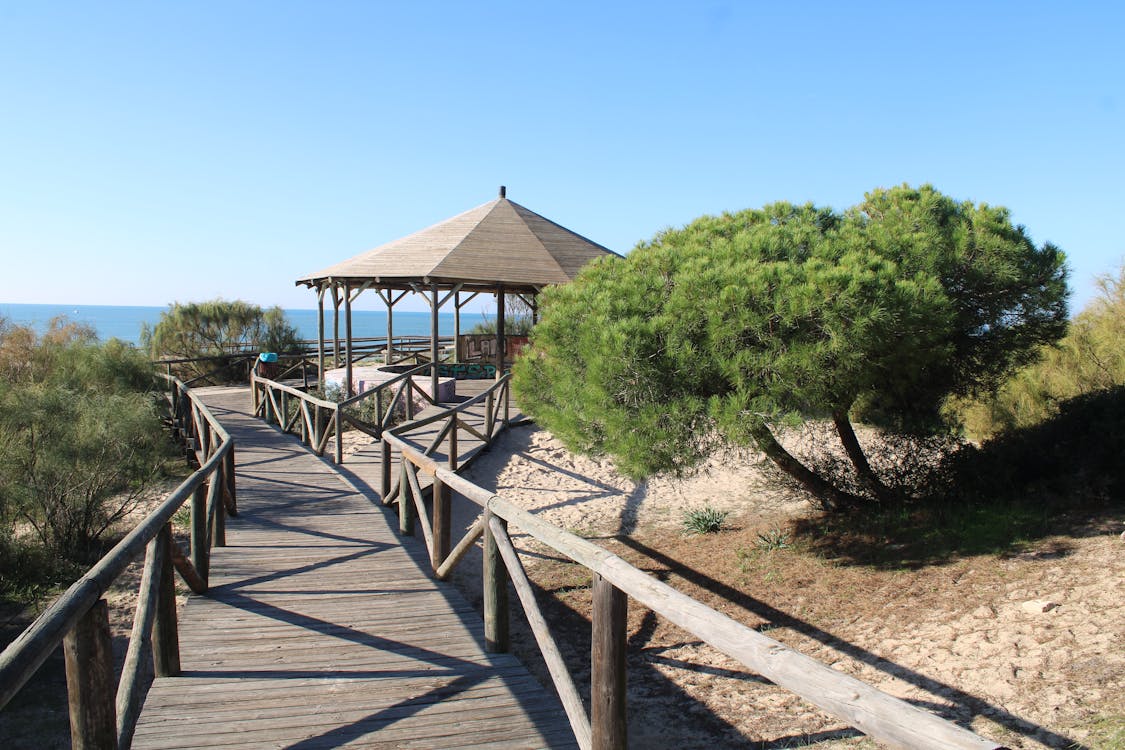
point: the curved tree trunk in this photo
(830, 497)
(867, 476)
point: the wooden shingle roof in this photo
(498, 243)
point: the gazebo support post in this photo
(457, 326)
(388, 357)
(499, 331)
(435, 304)
(320, 337)
(348, 391)
(458, 304)
(335, 324)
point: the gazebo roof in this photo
(500, 243)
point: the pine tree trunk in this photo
(863, 469)
(830, 497)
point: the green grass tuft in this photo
(706, 520)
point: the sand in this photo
(1026, 648)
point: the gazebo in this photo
(498, 248)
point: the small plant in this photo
(772, 540)
(182, 517)
(706, 520)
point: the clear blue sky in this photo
(152, 152)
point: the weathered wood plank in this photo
(320, 629)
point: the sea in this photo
(124, 321)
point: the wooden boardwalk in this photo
(321, 630)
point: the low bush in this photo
(706, 520)
(80, 435)
(1090, 358)
(217, 328)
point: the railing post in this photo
(339, 426)
(219, 520)
(199, 531)
(405, 500)
(88, 651)
(453, 443)
(442, 527)
(316, 429)
(232, 483)
(284, 410)
(165, 629)
(495, 592)
(607, 666)
(385, 469)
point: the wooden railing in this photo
(881, 716)
(408, 492)
(244, 357)
(403, 348)
(102, 715)
(317, 420)
(224, 363)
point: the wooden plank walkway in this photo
(321, 630)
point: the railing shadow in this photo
(971, 704)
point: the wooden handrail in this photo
(77, 615)
(386, 384)
(313, 432)
(877, 714)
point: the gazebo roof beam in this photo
(363, 288)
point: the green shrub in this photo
(706, 520)
(741, 324)
(1076, 453)
(1090, 358)
(517, 318)
(79, 433)
(772, 540)
(217, 328)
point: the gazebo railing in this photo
(102, 714)
(317, 420)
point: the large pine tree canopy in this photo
(736, 324)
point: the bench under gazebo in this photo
(499, 248)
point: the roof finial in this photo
(503, 192)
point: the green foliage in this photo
(736, 324)
(1075, 453)
(1109, 732)
(79, 433)
(706, 520)
(517, 318)
(772, 540)
(29, 571)
(999, 497)
(1090, 358)
(215, 328)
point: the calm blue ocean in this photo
(124, 322)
